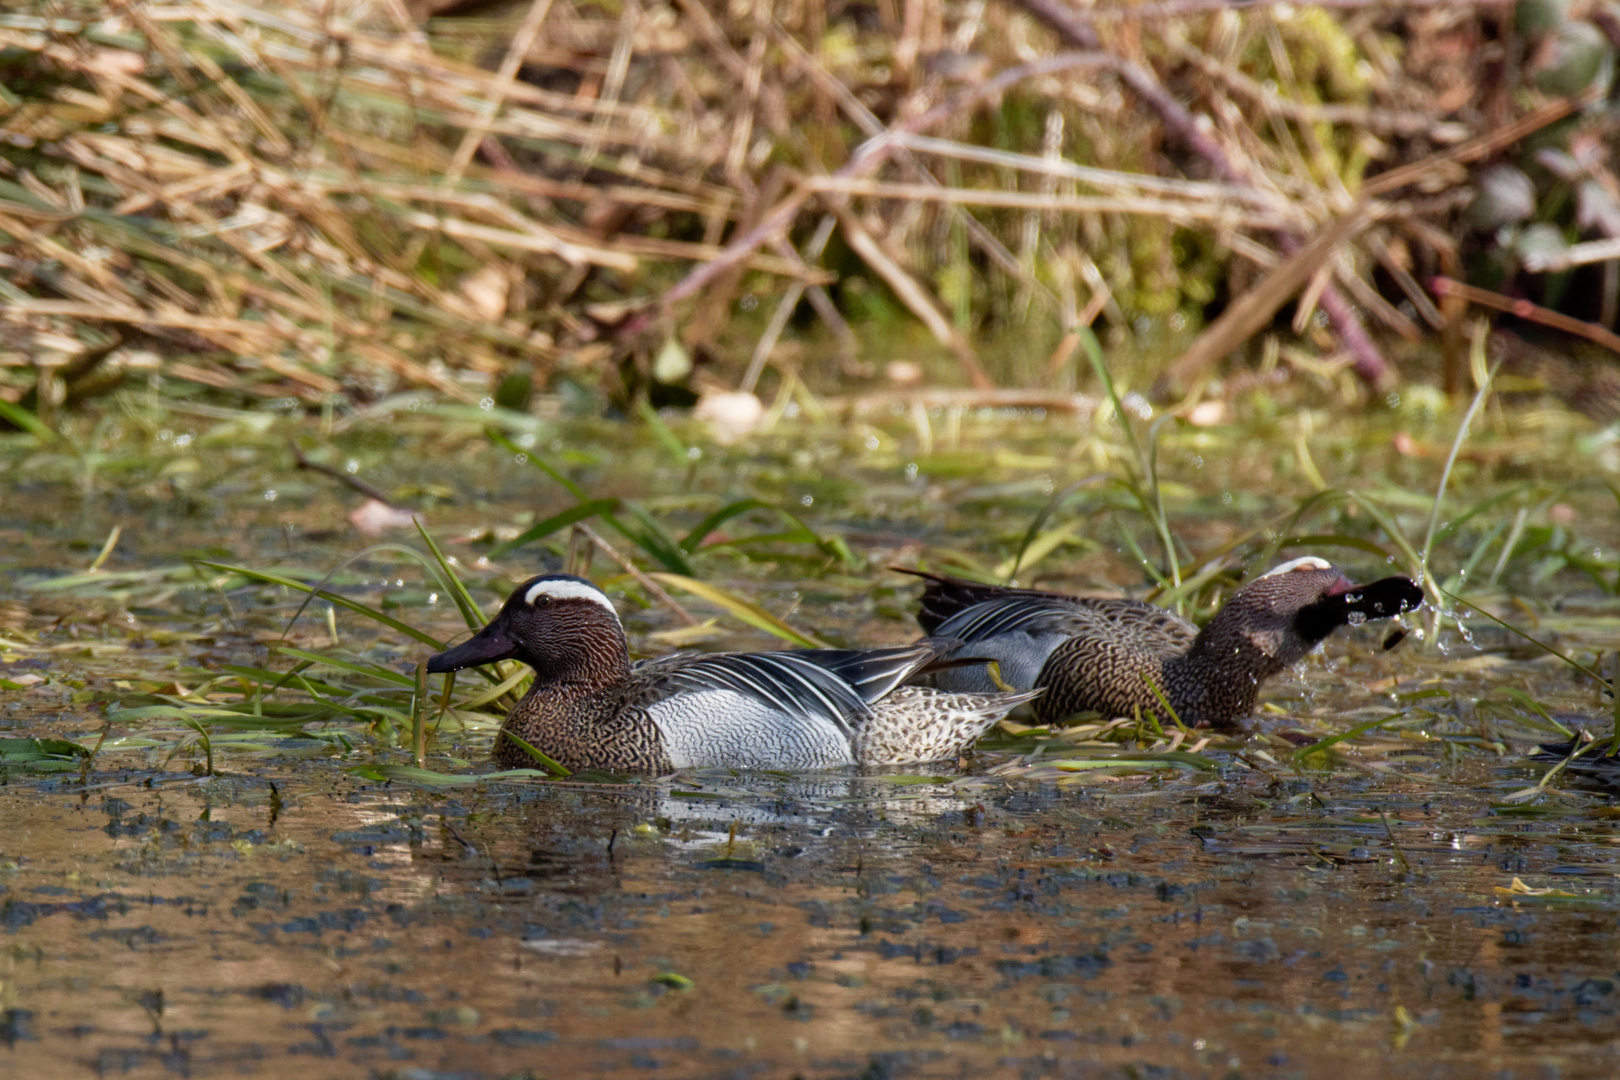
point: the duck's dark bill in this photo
(487, 646)
(1387, 597)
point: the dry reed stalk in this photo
(883, 402)
(1215, 214)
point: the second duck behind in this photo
(1100, 654)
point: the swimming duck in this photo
(590, 708)
(1098, 654)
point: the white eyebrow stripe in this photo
(567, 590)
(1306, 562)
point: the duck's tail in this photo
(917, 724)
(945, 596)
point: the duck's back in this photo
(1107, 665)
(1078, 648)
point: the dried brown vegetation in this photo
(325, 202)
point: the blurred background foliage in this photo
(554, 204)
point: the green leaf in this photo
(672, 980)
(1009, 571)
(666, 438)
(1576, 664)
(430, 778)
(654, 540)
(692, 540)
(30, 750)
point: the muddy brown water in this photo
(292, 916)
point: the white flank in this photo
(1308, 562)
(568, 590)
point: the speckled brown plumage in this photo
(1093, 654)
(582, 727)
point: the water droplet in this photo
(270, 495)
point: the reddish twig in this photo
(1524, 309)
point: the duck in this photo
(1099, 654)
(803, 709)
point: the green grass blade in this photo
(666, 438)
(1333, 740)
(1542, 645)
(374, 671)
(545, 761)
(1156, 510)
(573, 514)
(493, 693)
(1456, 448)
(744, 610)
(452, 582)
(693, 540)
(1392, 530)
(1093, 348)
(536, 460)
(24, 420)
(271, 578)
(653, 539)
(1334, 540)
(1141, 556)
(1039, 523)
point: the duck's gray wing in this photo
(752, 710)
(1017, 632)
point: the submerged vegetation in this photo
(289, 637)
